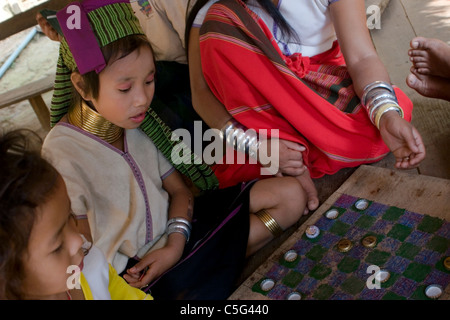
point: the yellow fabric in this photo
(118, 288)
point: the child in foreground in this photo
(124, 192)
(39, 244)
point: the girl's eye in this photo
(124, 90)
(150, 80)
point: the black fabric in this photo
(210, 273)
(172, 101)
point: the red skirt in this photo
(309, 100)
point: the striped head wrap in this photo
(87, 27)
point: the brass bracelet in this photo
(384, 109)
(269, 222)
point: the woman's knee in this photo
(292, 198)
(284, 197)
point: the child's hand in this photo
(157, 261)
(403, 139)
(289, 159)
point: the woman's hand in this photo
(403, 139)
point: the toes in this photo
(419, 43)
(412, 80)
(418, 55)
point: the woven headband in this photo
(101, 22)
(87, 27)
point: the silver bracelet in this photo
(240, 138)
(376, 95)
(376, 85)
(179, 227)
(179, 219)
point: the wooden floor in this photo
(401, 21)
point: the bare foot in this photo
(429, 85)
(311, 191)
(430, 56)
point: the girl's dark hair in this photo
(112, 52)
(267, 5)
(26, 181)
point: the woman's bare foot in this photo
(430, 57)
(429, 85)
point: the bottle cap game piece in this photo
(267, 284)
(362, 204)
(447, 263)
(312, 232)
(344, 245)
(369, 241)
(332, 214)
(433, 291)
(294, 296)
(290, 256)
(382, 276)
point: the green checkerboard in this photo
(410, 246)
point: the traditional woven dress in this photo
(263, 84)
(121, 192)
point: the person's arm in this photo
(205, 103)
(214, 113)
(365, 67)
(158, 261)
(363, 63)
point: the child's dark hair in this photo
(112, 52)
(26, 181)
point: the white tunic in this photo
(163, 21)
(310, 19)
(120, 193)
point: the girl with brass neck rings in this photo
(125, 193)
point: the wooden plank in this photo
(27, 19)
(27, 91)
(417, 193)
(41, 110)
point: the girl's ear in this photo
(78, 83)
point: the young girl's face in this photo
(54, 245)
(127, 86)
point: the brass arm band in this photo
(269, 222)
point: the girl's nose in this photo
(141, 98)
(76, 242)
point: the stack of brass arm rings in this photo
(240, 138)
(378, 98)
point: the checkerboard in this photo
(411, 246)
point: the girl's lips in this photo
(139, 118)
(81, 265)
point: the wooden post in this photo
(41, 111)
